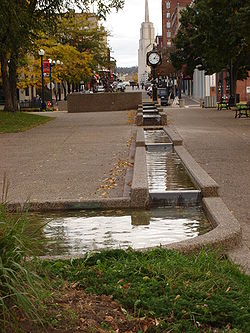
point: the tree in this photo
(20, 22)
(76, 66)
(214, 35)
(83, 32)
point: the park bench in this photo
(223, 105)
(242, 109)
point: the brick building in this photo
(171, 19)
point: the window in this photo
(168, 4)
(168, 34)
(168, 15)
(169, 43)
(27, 92)
(168, 25)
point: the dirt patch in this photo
(76, 311)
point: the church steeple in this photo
(146, 43)
(146, 12)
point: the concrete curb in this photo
(208, 186)
(140, 138)
(139, 189)
(173, 135)
(225, 236)
(110, 203)
(129, 173)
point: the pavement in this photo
(69, 158)
(73, 156)
(221, 145)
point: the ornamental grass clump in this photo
(20, 286)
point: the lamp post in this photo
(41, 54)
(58, 62)
(51, 63)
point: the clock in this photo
(154, 58)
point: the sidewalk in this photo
(66, 159)
(221, 145)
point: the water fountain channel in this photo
(178, 215)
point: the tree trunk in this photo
(234, 79)
(68, 84)
(13, 80)
(6, 85)
(65, 90)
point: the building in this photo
(146, 43)
(171, 19)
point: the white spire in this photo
(146, 11)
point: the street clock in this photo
(153, 58)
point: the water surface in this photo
(73, 233)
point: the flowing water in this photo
(166, 172)
(153, 136)
(79, 232)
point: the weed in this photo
(20, 286)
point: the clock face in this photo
(154, 58)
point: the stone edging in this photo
(207, 185)
(139, 188)
(226, 234)
(109, 203)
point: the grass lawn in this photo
(178, 293)
(18, 122)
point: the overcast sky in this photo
(124, 27)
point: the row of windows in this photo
(168, 25)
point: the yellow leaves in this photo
(131, 139)
(131, 117)
(110, 182)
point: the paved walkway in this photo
(70, 157)
(221, 145)
(67, 158)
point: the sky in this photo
(124, 27)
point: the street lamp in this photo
(58, 62)
(51, 64)
(41, 54)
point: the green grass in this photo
(196, 293)
(21, 289)
(18, 122)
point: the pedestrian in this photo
(142, 85)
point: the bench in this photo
(223, 105)
(242, 109)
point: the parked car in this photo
(121, 87)
(100, 89)
(163, 95)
